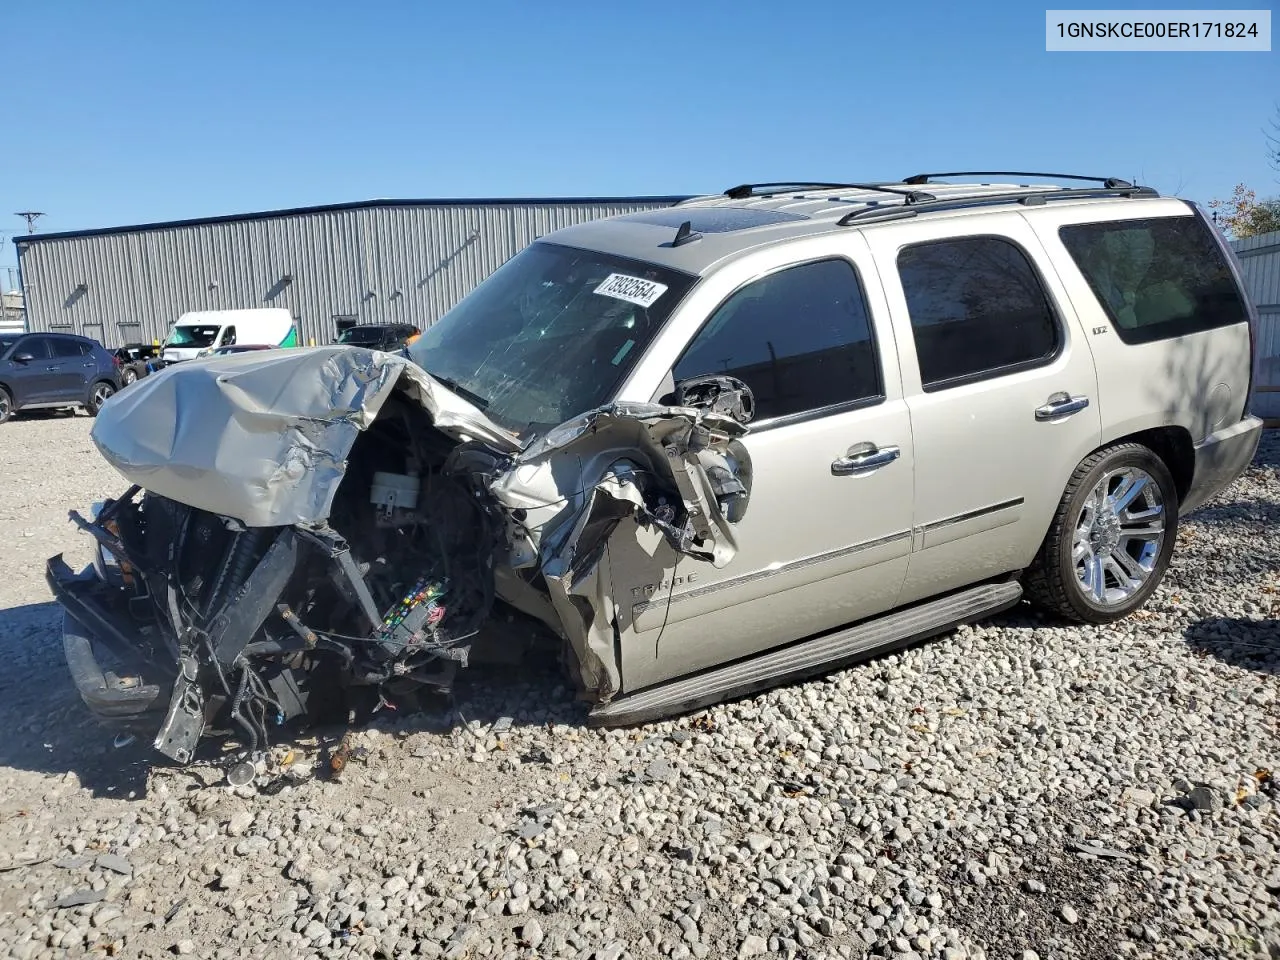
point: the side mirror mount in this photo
(23, 357)
(717, 393)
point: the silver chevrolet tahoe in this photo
(693, 452)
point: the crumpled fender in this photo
(628, 459)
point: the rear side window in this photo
(799, 338)
(1156, 278)
(977, 309)
(67, 348)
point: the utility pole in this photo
(31, 216)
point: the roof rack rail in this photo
(1038, 198)
(745, 190)
(1110, 182)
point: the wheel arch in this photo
(93, 385)
(1173, 445)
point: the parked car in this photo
(702, 450)
(380, 336)
(135, 361)
(54, 370)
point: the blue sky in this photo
(127, 112)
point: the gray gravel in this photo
(1016, 789)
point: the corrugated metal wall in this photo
(1260, 261)
(387, 262)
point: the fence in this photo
(1260, 262)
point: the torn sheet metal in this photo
(679, 470)
(263, 436)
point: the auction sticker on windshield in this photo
(632, 289)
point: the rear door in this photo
(73, 367)
(1001, 388)
(826, 534)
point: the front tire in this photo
(102, 392)
(1111, 538)
(6, 405)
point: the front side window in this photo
(799, 338)
(229, 336)
(1156, 278)
(977, 309)
(37, 347)
(550, 334)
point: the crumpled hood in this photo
(263, 436)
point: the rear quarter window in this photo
(1156, 278)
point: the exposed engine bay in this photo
(329, 528)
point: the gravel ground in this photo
(1016, 789)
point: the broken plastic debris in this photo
(115, 863)
(241, 774)
(80, 898)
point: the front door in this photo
(826, 535)
(1002, 392)
(32, 380)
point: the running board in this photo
(819, 655)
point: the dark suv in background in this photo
(50, 370)
(390, 337)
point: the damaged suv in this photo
(700, 451)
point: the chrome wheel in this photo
(129, 377)
(6, 406)
(1118, 535)
(101, 394)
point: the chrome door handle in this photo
(865, 460)
(50, 369)
(1061, 405)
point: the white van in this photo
(199, 332)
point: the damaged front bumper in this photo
(130, 693)
(318, 522)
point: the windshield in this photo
(192, 336)
(362, 335)
(550, 334)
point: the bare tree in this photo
(1273, 142)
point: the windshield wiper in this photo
(473, 398)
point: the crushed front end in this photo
(212, 624)
(317, 531)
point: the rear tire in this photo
(102, 392)
(1111, 538)
(129, 376)
(6, 405)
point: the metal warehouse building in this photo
(373, 261)
(1260, 262)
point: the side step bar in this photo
(807, 658)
